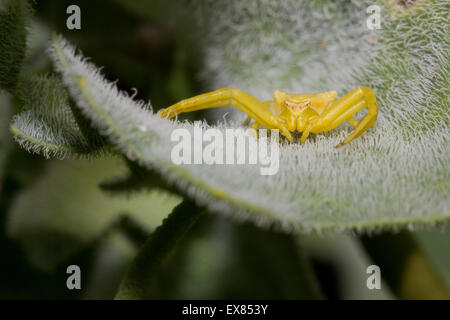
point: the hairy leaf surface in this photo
(388, 179)
(46, 125)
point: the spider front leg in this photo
(229, 96)
(354, 123)
(270, 104)
(344, 109)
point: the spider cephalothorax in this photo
(305, 113)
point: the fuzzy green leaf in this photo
(13, 16)
(396, 177)
(46, 125)
(65, 209)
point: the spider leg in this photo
(229, 96)
(273, 106)
(270, 104)
(247, 121)
(355, 134)
(344, 109)
(354, 123)
(305, 133)
(255, 127)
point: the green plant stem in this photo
(156, 249)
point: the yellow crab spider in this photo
(305, 113)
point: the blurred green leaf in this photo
(36, 57)
(435, 245)
(223, 259)
(5, 141)
(156, 249)
(346, 255)
(266, 264)
(65, 209)
(405, 267)
(13, 16)
(112, 256)
(218, 260)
